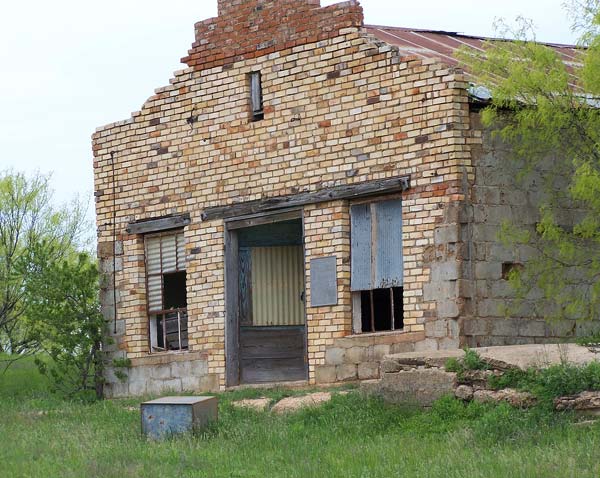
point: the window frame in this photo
(155, 315)
(357, 318)
(257, 110)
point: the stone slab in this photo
(420, 387)
(503, 357)
(257, 404)
(293, 404)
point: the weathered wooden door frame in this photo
(232, 325)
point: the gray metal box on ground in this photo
(169, 416)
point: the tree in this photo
(29, 225)
(544, 108)
(63, 316)
(48, 286)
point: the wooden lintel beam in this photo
(349, 191)
(160, 224)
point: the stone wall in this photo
(359, 357)
(502, 194)
(163, 373)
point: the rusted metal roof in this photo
(442, 45)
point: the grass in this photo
(352, 436)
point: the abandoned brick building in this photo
(309, 194)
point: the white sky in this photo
(68, 66)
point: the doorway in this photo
(266, 324)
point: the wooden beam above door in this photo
(346, 191)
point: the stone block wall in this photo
(162, 373)
(359, 357)
(500, 195)
(338, 110)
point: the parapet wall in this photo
(247, 29)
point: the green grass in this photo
(352, 436)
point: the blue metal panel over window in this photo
(360, 220)
(376, 245)
(388, 250)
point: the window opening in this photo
(381, 309)
(256, 96)
(166, 288)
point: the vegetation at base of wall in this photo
(470, 361)
(548, 383)
(351, 436)
(119, 367)
(547, 113)
(590, 340)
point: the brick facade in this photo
(340, 107)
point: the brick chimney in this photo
(252, 28)
(227, 7)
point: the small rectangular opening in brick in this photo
(256, 96)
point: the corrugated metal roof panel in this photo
(443, 45)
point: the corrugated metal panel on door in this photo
(277, 285)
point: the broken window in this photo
(166, 288)
(377, 266)
(256, 96)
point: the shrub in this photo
(453, 365)
(513, 378)
(472, 361)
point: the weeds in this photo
(590, 340)
(552, 382)
(470, 361)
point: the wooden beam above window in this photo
(346, 191)
(146, 226)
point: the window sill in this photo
(378, 334)
(168, 352)
(161, 358)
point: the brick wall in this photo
(339, 110)
(250, 29)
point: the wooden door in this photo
(266, 326)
